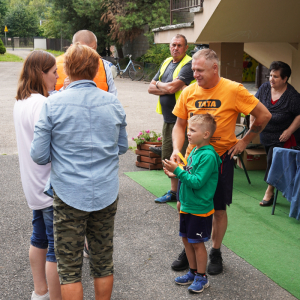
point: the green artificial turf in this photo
(271, 243)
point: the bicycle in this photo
(135, 71)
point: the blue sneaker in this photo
(199, 284)
(168, 197)
(185, 279)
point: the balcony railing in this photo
(177, 5)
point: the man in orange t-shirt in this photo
(224, 99)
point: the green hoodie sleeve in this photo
(200, 175)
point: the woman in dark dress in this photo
(283, 102)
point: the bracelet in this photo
(157, 84)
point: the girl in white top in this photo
(38, 77)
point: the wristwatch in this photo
(157, 84)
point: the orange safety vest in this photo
(100, 79)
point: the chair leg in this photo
(274, 203)
(240, 157)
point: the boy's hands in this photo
(170, 165)
(169, 174)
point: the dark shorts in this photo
(223, 194)
(196, 229)
(167, 145)
(70, 227)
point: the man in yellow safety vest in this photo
(174, 75)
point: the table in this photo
(284, 175)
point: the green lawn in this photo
(10, 57)
(55, 53)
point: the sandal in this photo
(267, 203)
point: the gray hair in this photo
(178, 36)
(208, 54)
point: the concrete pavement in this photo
(146, 234)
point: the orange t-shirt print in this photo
(225, 101)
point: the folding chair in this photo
(240, 130)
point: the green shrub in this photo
(2, 48)
(157, 53)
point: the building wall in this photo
(183, 17)
(40, 43)
(265, 53)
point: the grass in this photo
(132, 148)
(55, 53)
(10, 57)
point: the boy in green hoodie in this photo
(199, 181)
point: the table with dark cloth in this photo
(284, 175)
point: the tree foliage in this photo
(3, 10)
(127, 19)
(157, 53)
(2, 47)
(68, 16)
(22, 20)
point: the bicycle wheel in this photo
(136, 72)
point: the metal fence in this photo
(178, 5)
(28, 42)
(16, 42)
(58, 44)
(150, 71)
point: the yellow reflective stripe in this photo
(164, 66)
(184, 61)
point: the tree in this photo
(127, 19)
(39, 6)
(22, 20)
(2, 48)
(3, 10)
(68, 16)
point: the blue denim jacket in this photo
(82, 132)
(284, 174)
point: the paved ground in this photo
(146, 234)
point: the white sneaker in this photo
(34, 296)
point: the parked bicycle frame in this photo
(135, 71)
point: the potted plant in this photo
(148, 137)
(146, 158)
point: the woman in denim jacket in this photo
(82, 132)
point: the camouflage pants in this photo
(70, 227)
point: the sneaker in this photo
(34, 296)
(168, 197)
(215, 265)
(185, 279)
(199, 284)
(156, 150)
(85, 252)
(181, 263)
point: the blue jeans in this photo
(42, 233)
